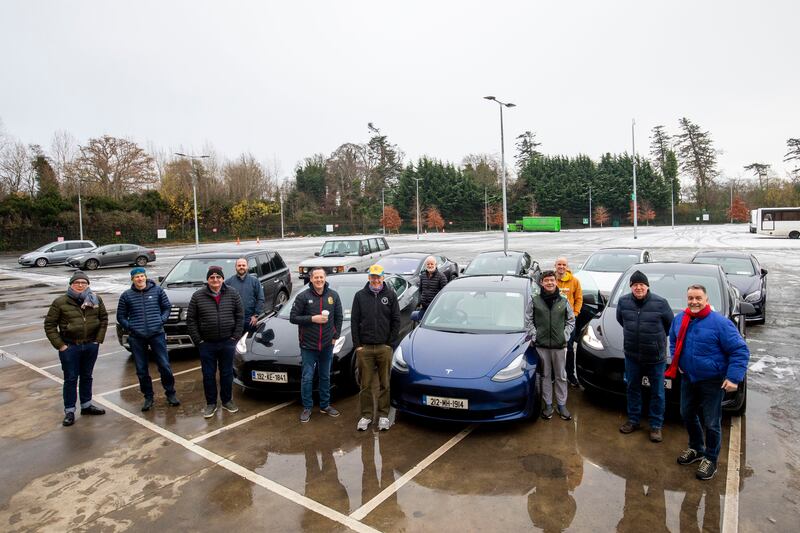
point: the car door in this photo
(59, 252)
(110, 255)
(127, 253)
(407, 299)
(263, 271)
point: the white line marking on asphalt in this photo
(112, 391)
(368, 507)
(12, 326)
(238, 423)
(227, 464)
(23, 342)
(99, 356)
(730, 513)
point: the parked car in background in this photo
(600, 360)
(272, 361)
(411, 264)
(513, 262)
(604, 267)
(112, 254)
(55, 252)
(745, 273)
(189, 274)
(346, 254)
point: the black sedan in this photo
(513, 262)
(600, 357)
(411, 264)
(272, 360)
(112, 254)
(746, 274)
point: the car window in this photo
(76, 246)
(252, 266)
(333, 248)
(399, 265)
(493, 264)
(263, 260)
(611, 262)
(275, 262)
(129, 247)
(373, 246)
(398, 284)
(732, 266)
(59, 247)
(194, 269)
(382, 244)
(477, 311)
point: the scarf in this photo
(375, 290)
(86, 298)
(550, 297)
(672, 371)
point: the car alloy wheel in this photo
(92, 264)
(281, 298)
(41, 262)
(141, 261)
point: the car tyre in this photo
(353, 381)
(280, 299)
(41, 262)
(141, 261)
(741, 408)
(763, 319)
(92, 264)
(794, 234)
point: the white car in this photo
(346, 254)
(604, 267)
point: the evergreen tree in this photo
(698, 159)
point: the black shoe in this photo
(706, 470)
(689, 456)
(573, 381)
(69, 419)
(628, 427)
(173, 400)
(148, 404)
(92, 410)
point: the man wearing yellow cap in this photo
(374, 325)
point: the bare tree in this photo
(697, 158)
(483, 168)
(16, 170)
(346, 173)
(63, 149)
(244, 179)
(113, 166)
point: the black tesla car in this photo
(746, 274)
(272, 361)
(411, 264)
(600, 357)
(512, 262)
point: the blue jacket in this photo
(712, 349)
(645, 324)
(143, 312)
(251, 293)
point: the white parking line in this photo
(12, 326)
(240, 422)
(227, 464)
(23, 342)
(112, 391)
(99, 356)
(730, 512)
(368, 507)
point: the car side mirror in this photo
(746, 308)
(316, 254)
(763, 272)
(160, 279)
(416, 316)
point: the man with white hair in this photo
(430, 283)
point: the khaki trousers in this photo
(372, 359)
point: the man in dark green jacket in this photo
(76, 325)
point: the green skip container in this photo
(541, 223)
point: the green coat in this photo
(549, 327)
(67, 323)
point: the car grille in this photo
(174, 314)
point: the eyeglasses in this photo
(81, 282)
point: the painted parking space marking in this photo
(13, 326)
(730, 509)
(136, 385)
(99, 356)
(238, 423)
(23, 342)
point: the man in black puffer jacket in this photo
(215, 318)
(431, 281)
(645, 319)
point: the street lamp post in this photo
(633, 161)
(485, 208)
(80, 210)
(672, 200)
(280, 198)
(383, 213)
(194, 195)
(417, 180)
(503, 164)
(731, 203)
(590, 207)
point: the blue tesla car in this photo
(468, 360)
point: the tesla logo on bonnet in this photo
(448, 370)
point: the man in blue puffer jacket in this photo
(712, 357)
(142, 311)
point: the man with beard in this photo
(250, 291)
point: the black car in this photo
(189, 274)
(272, 361)
(600, 359)
(410, 265)
(746, 274)
(513, 262)
(112, 254)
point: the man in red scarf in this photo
(712, 357)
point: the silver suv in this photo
(55, 252)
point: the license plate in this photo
(667, 382)
(445, 403)
(270, 377)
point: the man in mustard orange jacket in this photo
(570, 287)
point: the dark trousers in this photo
(77, 363)
(701, 409)
(158, 345)
(571, 376)
(634, 372)
(372, 359)
(215, 354)
(321, 360)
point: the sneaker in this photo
(706, 470)
(655, 435)
(330, 411)
(92, 410)
(305, 416)
(363, 424)
(173, 400)
(147, 405)
(547, 412)
(688, 456)
(230, 406)
(628, 427)
(573, 381)
(69, 419)
(384, 424)
(563, 412)
(209, 410)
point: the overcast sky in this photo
(285, 80)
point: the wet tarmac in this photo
(260, 469)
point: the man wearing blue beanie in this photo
(142, 311)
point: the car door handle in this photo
(276, 281)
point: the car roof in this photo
(353, 238)
(500, 252)
(723, 253)
(487, 281)
(415, 255)
(225, 255)
(618, 249)
(670, 267)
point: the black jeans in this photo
(158, 345)
(77, 362)
(215, 354)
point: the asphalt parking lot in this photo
(261, 469)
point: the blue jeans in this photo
(322, 360)
(158, 345)
(213, 354)
(77, 363)
(633, 378)
(701, 409)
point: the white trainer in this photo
(384, 424)
(363, 424)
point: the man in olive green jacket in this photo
(76, 324)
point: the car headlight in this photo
(591, 340)
(184, 313)
(398, 363)
(337, 346)
(302, 270)
(753, 296)
(514, 369)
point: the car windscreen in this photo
(331, 248)
(733, 266)
(477, 311)
(673, 287)
(611, 262)
(189, 271)
(493, 264)
(400, 265)
(346, 293)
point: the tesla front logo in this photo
(448, 370)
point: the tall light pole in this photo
(590, 207)
(191, 158)
(383, 213)
(80, 210)
(633, 161)
(731, 203)
(280, 198)
(672, 199)
(503, 164)
(417, 180)
(485, 209)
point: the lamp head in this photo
(511, 105)
(489, 98)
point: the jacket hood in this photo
(567, 275)
(150, 285)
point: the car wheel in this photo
(41, 262)
(280, 299)
(141, 261)
(92, 264)
(763, 319)
(741, 407)
(353, 270)
(794, 234)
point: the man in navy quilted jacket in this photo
(142, 311)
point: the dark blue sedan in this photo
(469, 360)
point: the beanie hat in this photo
(78, 275)
(215, 270)
(138, 270)
(638, 277)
